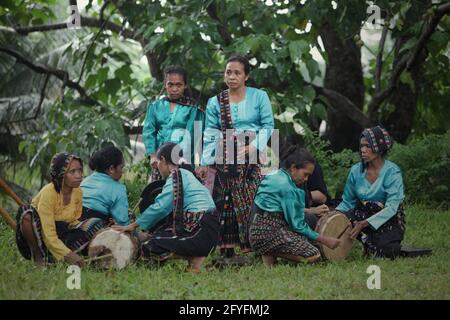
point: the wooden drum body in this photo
(336, 225)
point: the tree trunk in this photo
(344, 75)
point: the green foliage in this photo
(135, 179)
(335, 166)
(199, 35)
(425, 166)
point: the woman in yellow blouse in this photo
(49, 229)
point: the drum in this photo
(119, 249)
(148, 197)
(150, 193)
(336, 225)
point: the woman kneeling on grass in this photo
(373, 197)
(50, 229)
(190, 226)
(277, 224)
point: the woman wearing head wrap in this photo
(50, 229)
(373, 196)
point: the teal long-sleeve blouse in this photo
(387, 189)
(161, 126)
(104, 194)
(279, 193)
(254, 113)
(196, 198)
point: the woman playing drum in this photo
(50, 229)
(373, 197)
(277, 224)
(191, 227)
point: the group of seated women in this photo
(224, 204)
(67, 213)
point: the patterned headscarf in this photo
(58, 167)
(379, 141)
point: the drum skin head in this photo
(150, 193)
(123, 247)
(335, 225)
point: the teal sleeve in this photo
(149, 129)
(212, 132)
(267, 122)
(195, 133)
(393, 185)
(294, 213)
(349, 197)
(197, 141)
(160, 209)
(119, 211)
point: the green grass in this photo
(404, 278)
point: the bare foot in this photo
(313, 259)
(195, 263)
(268, 260)
(39, 262)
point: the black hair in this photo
(294, 155)
(176, 69)
(241, 59)
(58, 166)
(166, 151)
(101, 160)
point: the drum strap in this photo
(181, 220)
(177, 212)
(226, 123)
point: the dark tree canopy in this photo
(67, 88)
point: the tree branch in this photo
(41, 100)
(379, 63)
(85, 21)
(60, 74)
(409, 60)
(93, 40)
(102, 9)
(438, 14)
(343, 104)
(221, 28)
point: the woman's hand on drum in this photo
(320, 210)
(129, 228)
(74, 259)
(330, 242)
(357, 227)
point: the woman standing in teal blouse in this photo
(277, 224)
(373, 197)
(173, 118)
(190, 222)
(235, 111)
(103, 195)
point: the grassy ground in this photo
(404, 278)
